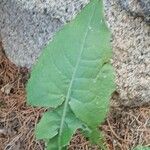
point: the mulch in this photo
(123, 129)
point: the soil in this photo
(123, 129)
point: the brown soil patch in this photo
(124, 128)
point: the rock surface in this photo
(137, 8)
(27, 25)
(131, 48)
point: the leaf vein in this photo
(72, 80)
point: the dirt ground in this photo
(123, 129)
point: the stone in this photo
(27, 25)
(131, 50)
(137, 8)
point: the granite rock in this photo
(137, 8)
(27, 25)
(131, 49)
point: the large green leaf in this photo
(74, 73)
(49, 126)
(142, 148)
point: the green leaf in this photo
(74, 74)
(52, 144)
(48, 127)
(142, 148)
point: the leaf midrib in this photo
(72, 80)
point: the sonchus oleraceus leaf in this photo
(75, 78)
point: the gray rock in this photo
(131, 48)
(27, 25)
(137, 8)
